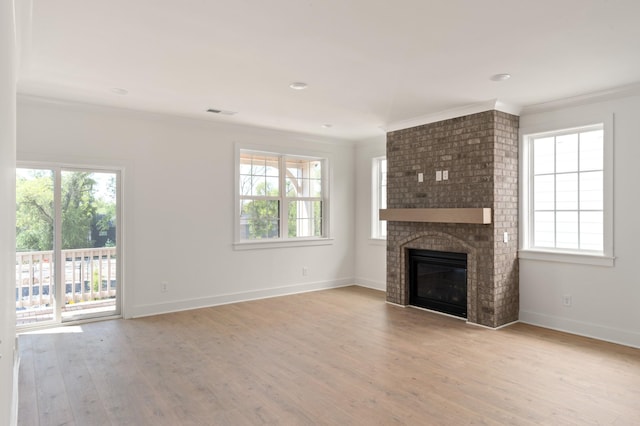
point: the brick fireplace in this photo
(480, 153)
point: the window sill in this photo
(258, 245)
(580, 258)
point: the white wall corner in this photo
(375, 285)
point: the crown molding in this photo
(493, 104)
(221, 123)
(587, 98)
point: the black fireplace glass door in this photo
(438, 281)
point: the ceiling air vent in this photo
(221, 111)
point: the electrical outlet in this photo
(438, 175)
(164, 286)
(305, 271)
(566, 300)
(420, 177)
(445, 175)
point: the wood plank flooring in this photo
(335, 357)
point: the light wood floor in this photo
(336, 357)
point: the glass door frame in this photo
(59, 262)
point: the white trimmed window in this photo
(378, 197)
(566, 180)
(281, 197)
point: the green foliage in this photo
(263, 215)
(263, 219)
(34, 212)
(312, 222)
(291, 223)
(96, 281)
(106, 208)
(80, 209)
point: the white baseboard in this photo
(493, 328)
(224, 299)
(595, 331)
(376, 285)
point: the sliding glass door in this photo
(35, 258)
(66, 244)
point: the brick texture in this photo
(480, 152)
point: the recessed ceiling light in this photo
(119, 91)
(500, 77)
(298, 85)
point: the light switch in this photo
(420, 177)
(438, 175)
(505, 237)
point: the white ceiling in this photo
(368, 63)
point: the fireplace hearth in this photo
(438, 281)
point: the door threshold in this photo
(50, 326)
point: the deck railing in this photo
(89, 274)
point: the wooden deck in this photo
(336, 357)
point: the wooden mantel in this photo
(480, 215)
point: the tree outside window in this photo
(266, 211)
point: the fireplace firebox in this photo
(438, 281)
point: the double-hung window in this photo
(567, 204)
(282, 197)
(378, 197)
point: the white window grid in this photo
(306, 217)
(555, 211)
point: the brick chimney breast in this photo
(480, 154)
